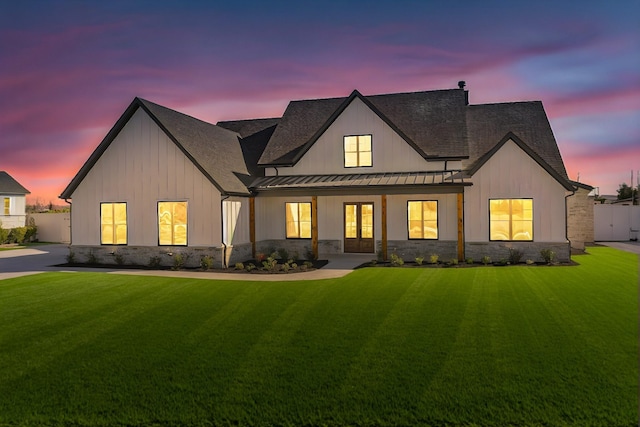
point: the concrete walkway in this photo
(630, 246)
(39, 259)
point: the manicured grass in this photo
(487, 346)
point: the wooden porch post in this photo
(314, 226)
(460, 226)
(252, 225)
(384, 226)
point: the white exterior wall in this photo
(270, 215)
(512, 174)
(17, 216)
(141, 167)
(390, 152)
(397, 220)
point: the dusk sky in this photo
(69, 69)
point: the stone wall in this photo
(531, 250)
(408, 250)
(580, 220)
(143, 255)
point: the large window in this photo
(298, 219)
(423, 219)
(357, 151)
(7, 206)
(172, 223)
(113, 223)
(511, 219)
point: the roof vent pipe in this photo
(462, 84)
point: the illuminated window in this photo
(357, 151)
(511, 219)
(423, 219)
(298, 218)
(7, 206)
(113, 223)
(172, 223)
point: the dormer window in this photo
(357, 151)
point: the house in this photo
(416, 173)
(13, 198)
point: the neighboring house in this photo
(13, 202)
(413, 173)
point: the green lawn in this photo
(486, 346)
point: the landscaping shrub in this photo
(548, 255)
(515, 256)
(92, 258)
(433, 259)
(4, 235)
(396, 261)
(486, 260)
(178, 262)
(17, 235)
(206, 262)
(419, 260)
(154, 262)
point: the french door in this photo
(358, 228)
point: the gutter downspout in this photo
(566, 219)
(222, 223)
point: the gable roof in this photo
(432, 122)
(215, 151)
(8, 185)
(510, 136)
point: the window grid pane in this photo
(298, 220)
(357, 151)
(113, 223)
(172, 223)
(511, 219)
(423, 219)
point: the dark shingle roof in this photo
(432, 122)
(487, 125)
(248, 127)
(8, 185)
(215, 151)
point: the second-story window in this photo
(357, 151)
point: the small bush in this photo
(548, 255)
(308, 264)
(294, 266)
(396, 261)
(178, 262)
(92, 258)
(269, 264)
(17, 235)
(433, 259)
(469, 260)
(154, 262)
(4, 235)
(419, 260)
(486, 260)
(260, 257)
(515, 256)
(250, 266)
(30, 235)
(239, 266)
(286, 267)
(529, 262)
(206, 262)
(71, 257)
(453, 261)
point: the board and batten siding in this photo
(390, 152)
(141, 167)
(512, 174)
(270, 215)
(397, 215)
(17, 216)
